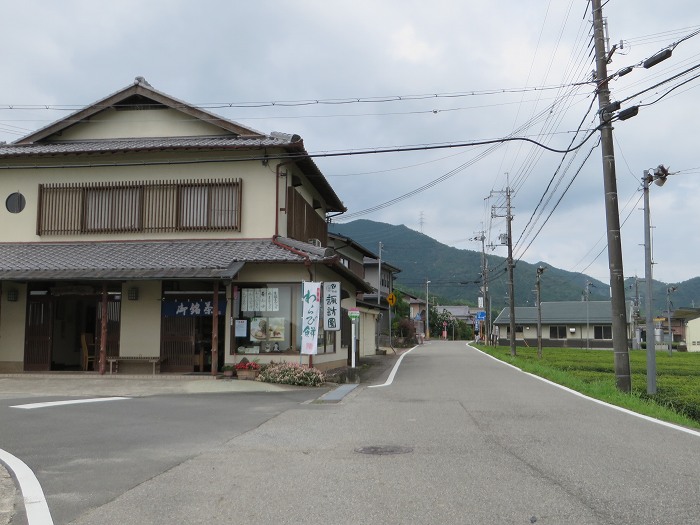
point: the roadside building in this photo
(159, 235)
(573, 324)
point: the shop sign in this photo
(311, 300)
(191, 307)
(331, 306)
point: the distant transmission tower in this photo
(421, 221)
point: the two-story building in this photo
(144, 227)
(374, 306)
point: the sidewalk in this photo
(370, 369)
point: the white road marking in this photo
(390, 379)
(34, 500)
(68, 402)
(584, 396)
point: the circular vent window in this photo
(15, 202)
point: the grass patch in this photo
(592, 373)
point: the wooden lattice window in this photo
(154, 206)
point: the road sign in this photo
(391, 299)
(481, 316)
(354, 313)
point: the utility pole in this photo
(511, 285)
(623, 377)
(637, 342)
(588, 315)
(427, 310)
(651, 336)
(379, 275)
(379, 296)
(540, 271)
(485, 286)
(669, 291)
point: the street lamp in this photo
(658, 177)
(427, 311)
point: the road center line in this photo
(35, 505)
(30, 406)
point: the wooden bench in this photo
(115, 359)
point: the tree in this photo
(438, 320)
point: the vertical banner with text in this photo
(331, 306)
(311, 299)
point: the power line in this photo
(312, 102)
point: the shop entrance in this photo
(63, 331)
(186, 335)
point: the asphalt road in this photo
(456, 438)
(86, 455)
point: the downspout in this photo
(307, 260)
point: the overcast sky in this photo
(419, 73)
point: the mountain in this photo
(455, 274)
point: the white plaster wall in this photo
(692, 335)
(258, 199)
(110, 124)
(140, 320)
(12, 325)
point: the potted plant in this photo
(228, 370)
(247, 369)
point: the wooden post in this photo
(215, 331)
(103, 331)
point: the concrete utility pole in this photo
(379, 275)
(427, 310)
(511, 284)
(540, 271)
(485, 287)
(379, 296)
(623, 377)
(636, 343)
(651, 337)
(669, 291)
(587, 294)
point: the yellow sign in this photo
(391, 299)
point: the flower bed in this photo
(291, 374)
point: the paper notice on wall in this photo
(311, 301)
(241, 328)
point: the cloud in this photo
(78, 51)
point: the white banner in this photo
(311, 301)
(331, 306)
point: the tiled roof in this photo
(139, 144)
(572, 312)
(139, 260)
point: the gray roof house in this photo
(575, 324)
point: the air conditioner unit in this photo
(315, 242)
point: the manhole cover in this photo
(384, 450)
